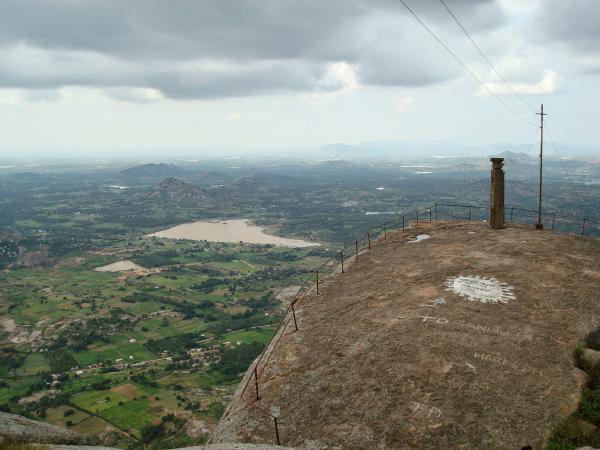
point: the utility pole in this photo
(539, 224)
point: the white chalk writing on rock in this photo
(460, 324)
(499, 360)
(435, 303)
(440, 320)
(426, 411)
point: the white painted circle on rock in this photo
(419, 238)
(480, 289)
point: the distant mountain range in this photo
(397, 150)
(154, 170)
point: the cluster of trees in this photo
(39, 408)
(173, 344)
(142, 379)
(78, 335)
(61, 246)
(266, 301)
(270, 274)
(238, 322)
(170, 425)
(210, 284)
(103, 385)
(276, 257)
(235, 360)
(60, 360)
(11, 359)
(214, 255)
(157, 259)
(137, 296)
(8, 252)
(201, 269)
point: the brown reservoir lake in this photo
(227, 231)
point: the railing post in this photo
(256, 383)
(276, 430)
(470, 213)
(369, 239)
(583, 226)
(511, 214)
(294, 315)
(430, 213)
(342, 258)
(356, 244)
(436, 216)
(317, 281)
(402, 223)
(384, 231)
(553, 220)
(417, 216)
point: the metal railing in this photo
(351, 251)
(515, 214)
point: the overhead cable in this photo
(506, 105)
(535, 135)
(570, 177)
(525, 102)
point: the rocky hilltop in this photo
(26, 430)
(177, 191)
(18, 432)
(462, 338)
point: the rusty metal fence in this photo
(351, 251)
(514, 214)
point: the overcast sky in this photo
(109, 76)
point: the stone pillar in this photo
(497, 194)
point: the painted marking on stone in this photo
(480, 289)
(419, 238)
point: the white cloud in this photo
(138, 95)
(340, 75)
(340, 78)
(11, 97)
(549, 84)
(404, 103)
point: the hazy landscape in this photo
(108, 331)
(307, 223)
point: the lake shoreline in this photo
(228, 231)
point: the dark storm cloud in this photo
(240, 81)
(219, 48)
(575, 23)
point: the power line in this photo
(564, 167)
(532, 142)
(556, 151)
(485, 57)
(506, 105)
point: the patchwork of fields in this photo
(116, 352)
